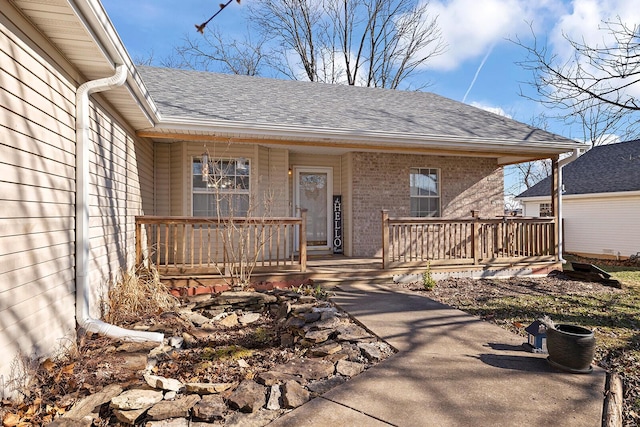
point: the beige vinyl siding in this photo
(598, 225)
(162, 174)
(37, 192)
(272, 171)
(180, 183)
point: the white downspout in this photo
(82, 214)
(561, 164)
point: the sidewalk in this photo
(451, 369)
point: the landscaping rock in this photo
(163, 383)
(173, 409)
(371, 351)
(230, 320)
(136, 399)
(210, 408)
(248, 397)
(207, 388)
(323, 386)
(89, 405)
(326, 349)
(129, 417)
(271, 377)
(256, 419)
(275, 396)
(318, 336)
(249, 318)
(351, 332)
(175, 422)
(308, 369)
(294, 395)
(349, 369)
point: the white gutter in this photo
(561, 164)
(83, 142)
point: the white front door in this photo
(314, 192)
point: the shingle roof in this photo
(196, 95)
(603, 169)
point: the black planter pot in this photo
(571, 348)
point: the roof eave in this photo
(507, 150)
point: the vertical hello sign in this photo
(337, 224)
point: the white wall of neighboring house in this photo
(37, 196)
(597, 225)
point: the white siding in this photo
(602, 226)
(531, 209)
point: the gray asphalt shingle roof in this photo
(196, 95)
(603, 169)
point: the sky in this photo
(479, 67)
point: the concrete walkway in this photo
(451, 369)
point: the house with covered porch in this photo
(107, 165)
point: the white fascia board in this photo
(240, 129)
(542, 199)
(95, 19)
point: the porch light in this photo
(205, 167)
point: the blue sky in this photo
(479, 66)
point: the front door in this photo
(313, 192)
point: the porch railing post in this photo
(138, 242)
(385, 239)
(303, 240)
(475, 237)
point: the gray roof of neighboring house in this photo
(196, 95)
(603, 169)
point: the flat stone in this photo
(91, 404)
(310, 317)
(136, 399)
(207, 388)
(134, 361)
(352, 352)
(308, 369)
(270, 378)
(351, 332)
(307, 299)
(275, 395)
(294, 395)
(286, 340)
(210, 408)
(176, 342)
(249, 318)
(129, 417)
(318, 336)
(163, 383)
(137, 347)
(229, 321)
(371, 351)
(168, 409)
(170, 395)
(349, 369)
(248, 397)
(71, 422)
(326, 349)
(301, 308)
(323, 386)
(194, 317)
(240, 298)
(330, 323)
(294, 323)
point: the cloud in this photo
(495, 110)
(471, 27)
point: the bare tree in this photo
(594, 87)
(376, 43)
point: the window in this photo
(545, 209)
(425, 192)
(224, 190)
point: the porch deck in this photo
(190, 252)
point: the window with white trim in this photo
(220, 188)
(425, 192)
(545, 209)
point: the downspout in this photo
(83, 142)
(561, 164)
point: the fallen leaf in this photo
(68, 369)
(11, 420)
(48, 365)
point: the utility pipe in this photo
(83, 142)
(561, 164)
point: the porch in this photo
(189, 251)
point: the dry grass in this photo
(137, 295)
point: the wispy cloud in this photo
(475, 76)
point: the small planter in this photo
(571, 348)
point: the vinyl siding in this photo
(599, 226)
(37, 195)
(37, 192)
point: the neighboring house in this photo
(82, 158)
(601, 201)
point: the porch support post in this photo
(475, 236)
(303, 240)
(385, 239)
(555, 208)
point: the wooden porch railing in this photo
(410, 242)
(178, 245)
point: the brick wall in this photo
(381, 181)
